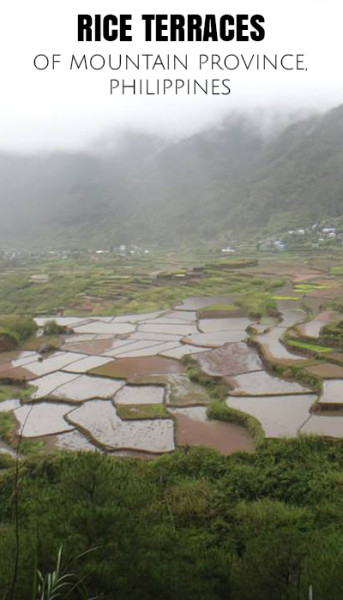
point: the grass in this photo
(257, 305)
(309, 287)
(20, 327)
(112, 285)
(216, 387)
(306, 346)
(8, 427)
(221, 412)
(183, 392)
(333, 329)
(11, 392)
(286, 298)
(6, 393)
(219, 307)
(336, 270)
(142, 411)
(34, 342)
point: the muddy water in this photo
(290, 316)
(279, 415)
(182, 315)
(274, 349)
(132, 345)
(89, 346)
(136, 318)
(326, 371)
(57, 361)
(312, 328)
(145, 394)
(332, 392)
(215, 339)
(263, 384)
(48, 383)
(105, 328)
(9, 405)
(63, 321)
(125, 368)
(16, 373)
(212, 325)
(232, 359)
(197, 302)
(155, 327)
(42, 419)
(328, 426)
(86, 364)
(224, 437)
(182, 350)
(74, 440)
(100, 420)
(154, 350)
(86, 387)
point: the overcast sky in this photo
(63, 109)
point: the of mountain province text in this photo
(185, 62)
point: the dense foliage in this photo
(193, 525)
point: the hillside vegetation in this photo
(227, 179)
(194, 525)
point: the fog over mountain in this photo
(232, 178)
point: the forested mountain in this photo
(228, 178)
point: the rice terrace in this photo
(155, 351)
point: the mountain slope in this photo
(227, 179)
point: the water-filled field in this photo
(144, 382)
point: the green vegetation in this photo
(309, 287)
(306, 346)
(216, 387)
(219, 307)
(221, 412)
(58, 584)
(13, 330)
(20, 327)
(299, 374)
(194, 525)
(338, 270)
(285, 297)
(10, 392)
(333, 330)
(216, 185)
(8, 427)
(116, 285)
(51, 328)
(34, 342)
(142, 411)
(257, 305)
(7, 392)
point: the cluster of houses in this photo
(25, 257)
(313, 236)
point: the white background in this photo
(67, 110)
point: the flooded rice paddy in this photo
(134, 362)
(194, 429)
(144, 394)
(231, 359)
(330, 426)
(256, 384)
(332, 392)
(280, 416)
(100, 421)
